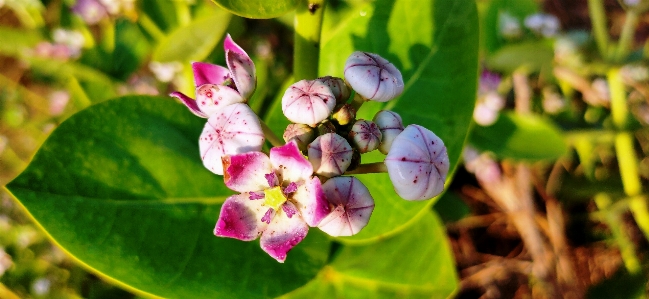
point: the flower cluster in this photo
(306, 182)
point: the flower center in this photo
(274, 197)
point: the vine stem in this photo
(308, 27)
(626, 156)
(376, 167)
(598, 20)
(270, 135)
(627, 35)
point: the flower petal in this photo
(330, 154)
(211, 98)
(353, 206)
(310, 200)
(207, 73)
(282, 234)
(233, 130)
(289, 163)
(241, 67)
(246, 172)
(240, 218)
(373, 77)
(308, 102)
(417, 163)
(189, 102)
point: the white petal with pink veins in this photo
(246, 172)
(282, 234)
(330, 154)
(308, 102)
(289, 163)
(241, 67)
(310, 201)
(211, 98)
(417, 163)
(240, 218)
(233, 130)
(373, 77)
(353, 205)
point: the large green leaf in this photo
(416, 264)
(195, 41)
(434, 44)
(121, 187)
(528, 137)
(257, 9)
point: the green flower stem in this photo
(270, 136)
(150, 27)
(183, 14)
(357, 102)
(627, 35)
(107, 34)
(626, 155)
(308, 25)
(613, 221)
(598, 20)
(376, 167)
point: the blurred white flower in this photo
(509, 26)
(5, 261)
(58, 100)
(165, 72)
(631, 3)
(546, 25)
(635, 72)
(3, 143)
(600, 86)
(552, 101)
(41, 286)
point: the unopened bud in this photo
(338, 88)
(330, 155)
(390, 125)
(344, 115)
(365, 135)
(373, 77)
(301, 133)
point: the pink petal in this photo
(282, 234)
(243, 73)
(230, 45)
(240, 218)
(189, 102)
(289, 163)
(207, 73)
(353, 206)
(310, 200)
(417, 163)
(373, 77)
(211, 98)
(308, 102)
(330, 154)
(246, 172)
(233, 130)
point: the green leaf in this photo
(121, 187)
(416, 264)
(533, 56)
(195, 41)
(522, 137)
(435, 47)
(257, 9)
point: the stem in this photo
(612, 219)
(598, 20)
(183, 14)
(357, 102)
(150, 27)
(627, 35)
(626, 155)
(108, 34)
(376, 167)
(270, 135)
(308, 25)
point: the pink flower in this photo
(279, 199)
(218, 87)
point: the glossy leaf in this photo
(195, 41)
(121, 187)
(417, 264)
(528, 137)
(435, 48)
(257, 9)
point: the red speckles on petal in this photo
(308, 102)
